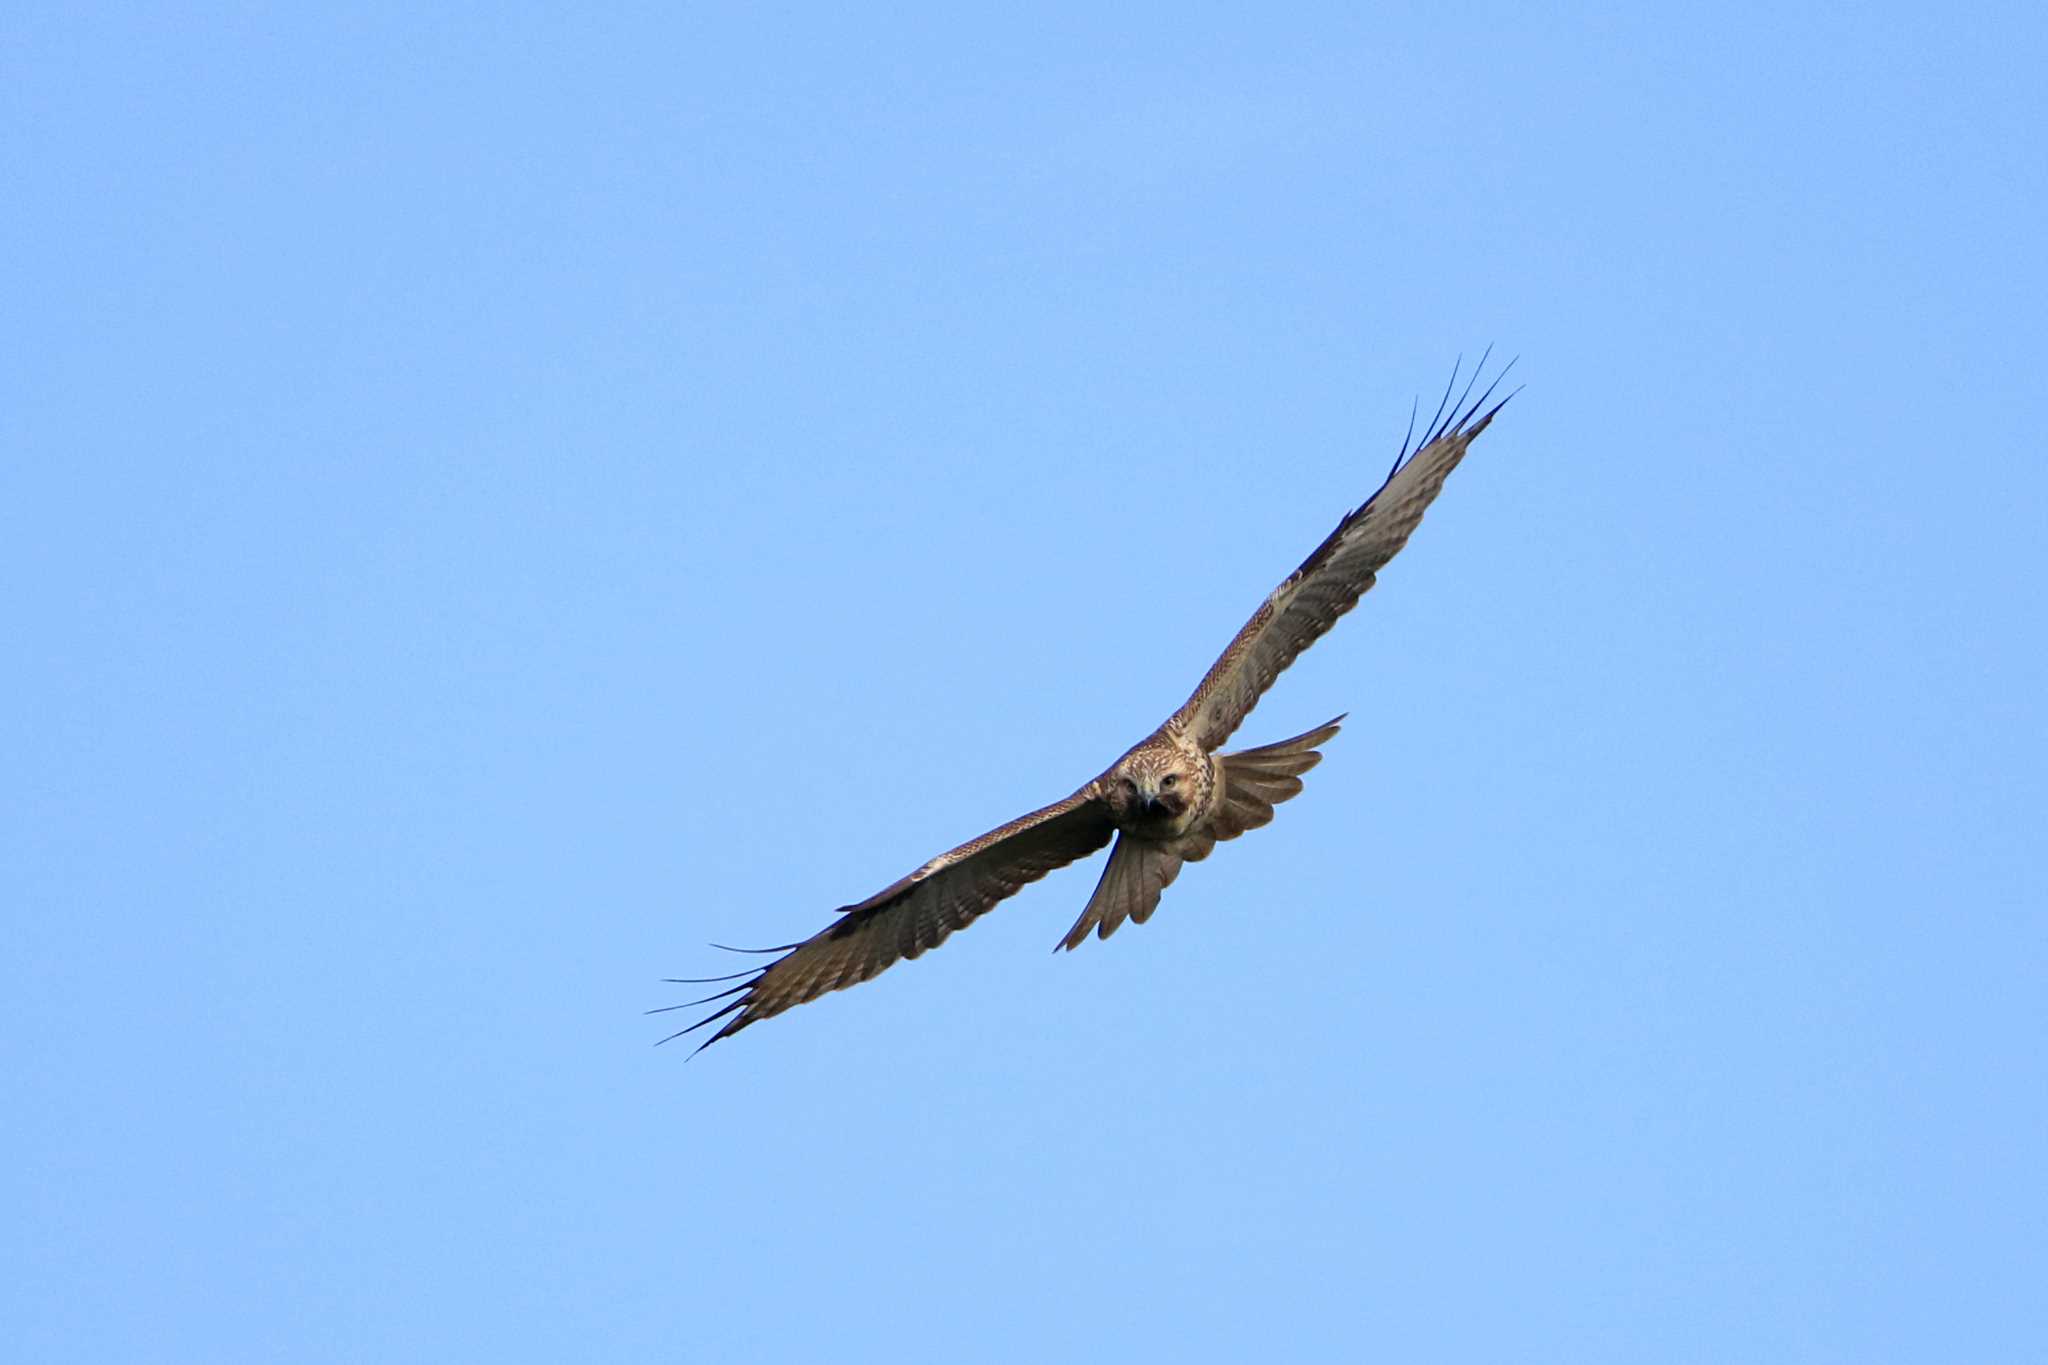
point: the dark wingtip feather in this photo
(1477, 370)
(748, 980)
(1480, 425)
(720, 995)
(728, 1031)
(1465, 423)
(708, 980)
(1452, 419)
(710, 1019)
(1414, 407)
(1432, 431)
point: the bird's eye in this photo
(1129, 785)
(1169, 779)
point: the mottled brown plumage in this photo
(1168, 800)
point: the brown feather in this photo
(916, 913)
(1329, 582)
(1138, 870)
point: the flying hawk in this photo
(1167, 801)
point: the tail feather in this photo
(1139, 869)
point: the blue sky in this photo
(497, 499)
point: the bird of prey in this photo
(1170, 799)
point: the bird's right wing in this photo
(914, 914)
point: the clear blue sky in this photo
(494, 501)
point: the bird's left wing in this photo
(1331, 580)
(914, 914)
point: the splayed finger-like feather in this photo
(915, 914)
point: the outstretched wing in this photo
(914, 914)
(1330, 581)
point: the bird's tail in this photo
(1256, 780)
(1139, 869)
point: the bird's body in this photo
(1167, 801)
(1162, 787)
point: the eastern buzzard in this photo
(1167, 801)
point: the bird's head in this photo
(1150, 787)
